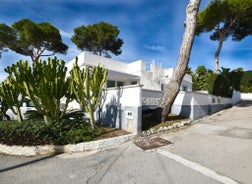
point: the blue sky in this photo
(150, 29)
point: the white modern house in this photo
(130, 88)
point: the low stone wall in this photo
(167, 128)
(70, 148)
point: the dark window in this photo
(119, 83)
(110, 83)
(134, 82)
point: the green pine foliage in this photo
(32, 39)
(101, 39)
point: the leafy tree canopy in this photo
(7, 35)
(231, 17)
(31, 39)
(101, 39)
(1, 49)
(200, 78)
(225, 18)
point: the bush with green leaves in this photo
(219, 86)
(225, 82)
(200, 78)
(246, 82)
(38, 133)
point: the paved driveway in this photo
(215, 150)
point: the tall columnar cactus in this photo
(87, 85)
(10, 92)
(45, 83)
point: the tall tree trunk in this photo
(217, 54)
(172, 88)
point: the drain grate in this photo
(151, 143)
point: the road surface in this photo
(217, 149)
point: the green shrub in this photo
(39, 133)
(246, 82)
(80, 135)
(220, 85)
(26, 133)
(246, 89)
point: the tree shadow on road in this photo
(26, 163)
(245, 103)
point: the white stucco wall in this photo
(122, 108)
(196, 98)
(87, 58)
(137, 67)
(246, 96)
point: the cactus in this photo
(10, 92)
(87, 85)
(3, 107)
(45, 83)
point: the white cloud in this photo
(158, 48)
(66, 34)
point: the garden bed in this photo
(30, 133)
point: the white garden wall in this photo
(246, 96)
(122, 108)
(194, 105)
(197, 105)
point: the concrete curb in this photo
(70, 148)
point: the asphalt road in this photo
(216, 149)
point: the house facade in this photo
(130, 89)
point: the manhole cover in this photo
(151, 143)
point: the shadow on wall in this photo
(186, 108)
(109, 115)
